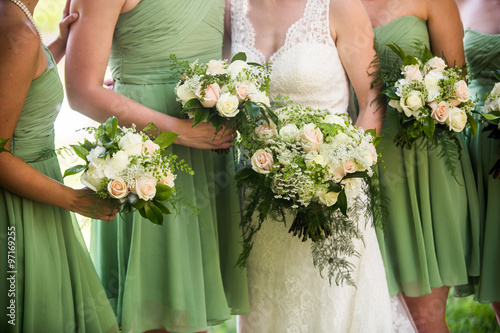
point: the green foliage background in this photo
(463, 314)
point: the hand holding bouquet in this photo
(124, 164)
(311, 164)
(430, 96)
(491, 112)
(220, 93)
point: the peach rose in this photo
(215, 67)
(313, 135)
(262, 161)
(145, 188)
(349, 166)
(149, 147)
(373, 153)
(242, 91)
(117, 188)
(412, 72)
(266, 131)
(435, 64)
(462, 92)
(439, 111)
(212, 93)
(168, 179)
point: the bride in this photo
(315, 48)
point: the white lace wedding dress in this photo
(287, 293)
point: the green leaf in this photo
(357, 174)
(342, 202)
(163, 192)
(217, 122)
(87, 145)
(153, 213)
(140, 204)
(111, 126)
(334, 187)
(200, 115)
(192, 104)
(165, 139)
(489, 116)
(239, 56)
(164, 209)
(107, 142)
(390, 92)
(3, 142)
(496, 73)
(473, 124)
(397, 49)
(142, 211)
(410, 60)
(80, 151)
(429, 127)
(252, 109)
(74, 170)
(244, 173)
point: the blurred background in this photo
(463, 314)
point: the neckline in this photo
(399, 19)
(481, 33)
(50, 63)
(289, 32)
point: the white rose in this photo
(262, 161)
(394, 103)
(257, 96)
(431, 81)
(289, 132)
(145, 188)
(94, 153)
(320, 190)
(496, 89)
(435, 64)
(215, 67)
(184, 94)
(333, 119)
(131, 143)
(313, 136)
(320, 159)
(117, 188)
(329, 199)
(457, 119)
(227, 105)
(412, 72)
(236, 67)
(90, 179)
(399, 85)
(352, 188)
(412, 102)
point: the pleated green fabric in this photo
(56, 286)
(431, 225)
(181, 276)
(482, 52)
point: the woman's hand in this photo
(58, 47)
(87, 204)
(203, 136)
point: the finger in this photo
(66, 8)
(108, 81)
(69, 20)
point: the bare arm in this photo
(226, 44)
(88, 50)
(353, 33)
(18, 67)
(446, 31)
(58, 46)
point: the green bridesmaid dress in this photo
(431, 223)
(482, 52)
(52, 284)
(181, 276)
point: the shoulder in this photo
(440, 7)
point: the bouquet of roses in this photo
(123, 163)
(430, 97)
(309, 164)
(221, 93)
(491, 112)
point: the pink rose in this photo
(412, 72)
(373, 152)
(462, 92)
(149, 147)
(349, 166)
(439, 111)
(145, 188)
(242, 91)
(265, 131)
(168, 179)
(313, 135)
(435, 64)
(338, 174)
(262, 161)
(212, 93)
(117, 188)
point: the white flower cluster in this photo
(433, 90)
(492, 103)
(221, 87)
(137, 167)
(312, 155)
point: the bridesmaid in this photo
(47, 280)
(182, 276)
(430, 237)
(482, 52)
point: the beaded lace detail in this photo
(286, 292)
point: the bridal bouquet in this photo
(123, 163)
(310, 164)
(430, 97)
(221, 93)
(491, 112)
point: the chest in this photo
(383, 12)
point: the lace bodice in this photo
(307, 68)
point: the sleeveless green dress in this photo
(52, 285)
(181, 276)
(482, 52)
(431, 223)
